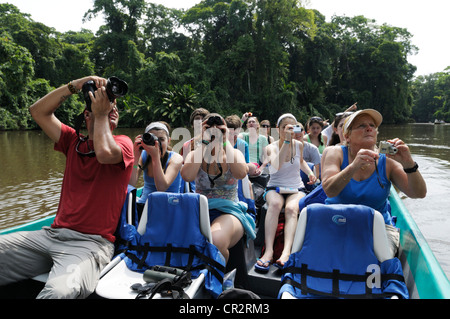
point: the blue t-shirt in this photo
(366, 192)
(243, 147)
(149, 182)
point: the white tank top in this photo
(289, 173)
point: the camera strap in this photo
(212, 180)
(78, 122)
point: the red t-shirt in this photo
(92, 194)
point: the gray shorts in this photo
(74, 260)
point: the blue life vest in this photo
(173, 238)
(337, 257)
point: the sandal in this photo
(262, 268)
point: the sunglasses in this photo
(265, 126)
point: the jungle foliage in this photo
(228, 56)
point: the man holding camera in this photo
(79, 243)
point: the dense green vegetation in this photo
(229, 56)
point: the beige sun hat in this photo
(377, 117)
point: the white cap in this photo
(377, 117)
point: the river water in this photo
(31, 174)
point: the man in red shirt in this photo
(79, 243)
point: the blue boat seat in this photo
(340, 251)
(245, 195)
(176, 220)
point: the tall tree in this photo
(122, 24)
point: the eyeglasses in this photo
(91, 152)
(265, 126)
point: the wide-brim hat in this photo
(377, 117)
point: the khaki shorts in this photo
(73, 259)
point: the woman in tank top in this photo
(286, 159)
(159, 175)
(314, 127)
(216, 166)
(356, 173)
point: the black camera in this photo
(115, 88)
(214, 120)
(150, 139)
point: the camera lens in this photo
(116, 88)
(149, 138)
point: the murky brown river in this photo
(31, 174)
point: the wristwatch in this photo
(412, 169)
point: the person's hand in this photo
(99, 82)
(245, 116)
(352, 108)
(312, 179)
(288, 132)
(365, 158)
(137, 146)
(403, 155)
(101, 105)
(153, 150)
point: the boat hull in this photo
(423, 274)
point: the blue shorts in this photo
(213, 214)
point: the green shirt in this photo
(255, 150)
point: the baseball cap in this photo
(377, 117)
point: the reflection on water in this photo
(31, 175)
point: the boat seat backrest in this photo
(162, 207)
(342, 251)
(174, 230)
(380, 241)
(245, 195)
(246, 187)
